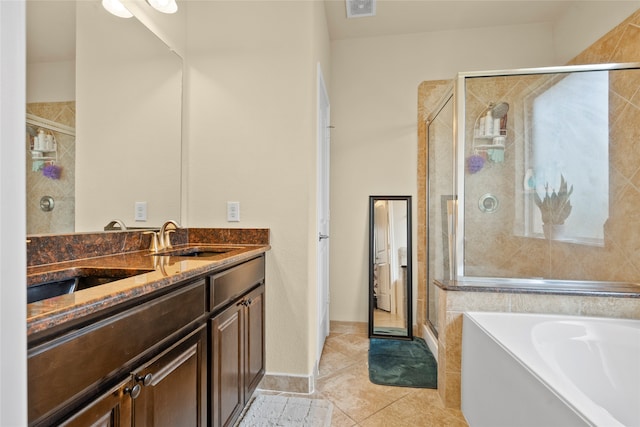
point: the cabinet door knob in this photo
(133, 391)
(146, 380)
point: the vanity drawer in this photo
(67, 370)
(224, 287)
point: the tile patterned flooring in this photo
(344, 380)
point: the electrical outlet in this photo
(233, 211)
(141, 211)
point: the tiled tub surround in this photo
(455, 298)
(61, 256)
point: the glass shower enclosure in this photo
(539, 181)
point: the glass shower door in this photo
(440, 201)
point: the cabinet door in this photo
(227, 346)
(113, 409)
(174, 385)
(254, 348)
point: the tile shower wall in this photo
(495, 245)
(61, 218)
(622, 44)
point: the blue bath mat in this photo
(389, 331)
(402, 363)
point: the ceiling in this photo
(392, 17)
(395, 17)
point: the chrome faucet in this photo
(165, 234)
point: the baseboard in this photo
(286, 383)
(431, 340)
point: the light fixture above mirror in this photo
(164, 6)
(116, 8)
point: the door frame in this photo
(323, 211)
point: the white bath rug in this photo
(273, 410)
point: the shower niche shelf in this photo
(43, 146)
(46, 155)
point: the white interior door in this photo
(324, 138)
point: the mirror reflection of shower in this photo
(50, 164)
(390, 270)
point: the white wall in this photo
(374, 147)
(13, 262)
(170, 28)
(251, 122)
(585, 22)
(51, 81)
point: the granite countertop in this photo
(151, 273)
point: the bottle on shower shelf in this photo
(488, 124)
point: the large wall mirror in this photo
(390, 306)
(108, 91)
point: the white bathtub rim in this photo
(592, 413)
(536, 375)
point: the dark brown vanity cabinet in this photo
(167, 391)
(144, 366)
(236, 341)
(112, 409)
(189, 356)
(173, 386)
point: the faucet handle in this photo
(154, 246)
(167, 238)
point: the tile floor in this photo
(344, 380)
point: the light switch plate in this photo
(233, 211)
(141, 211)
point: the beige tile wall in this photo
(492, 249)
(622, 44)
(62, 218)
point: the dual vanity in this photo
(144, 338)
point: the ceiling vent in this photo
(360, 8)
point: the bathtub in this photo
(537, 370)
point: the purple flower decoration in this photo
(475, 163)
(52, 171)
